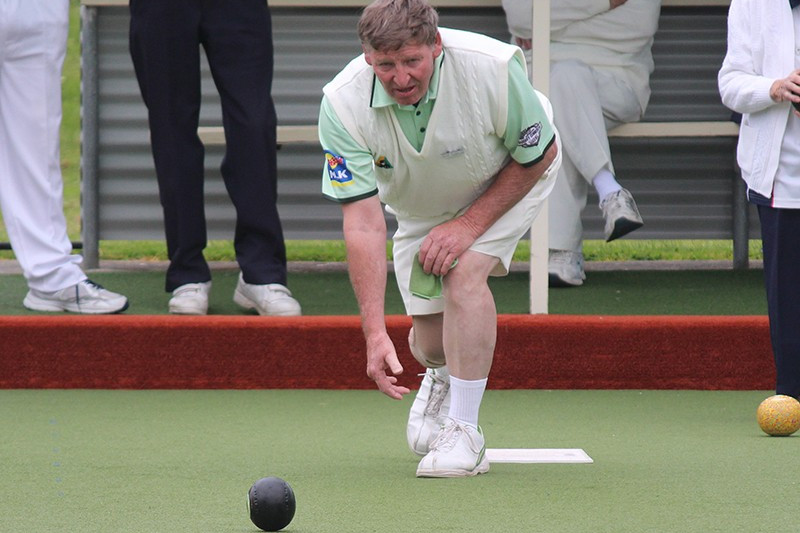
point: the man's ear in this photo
(437, 45)
(367, 54)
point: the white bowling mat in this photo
(537, 455)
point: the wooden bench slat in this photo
(215, 136)
(676, 129)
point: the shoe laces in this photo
(92, 284)
(438, 392)
(90, 288)
(559, 258)
(447, 437)
(617, 199)
(566, 257)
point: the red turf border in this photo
(227, 352)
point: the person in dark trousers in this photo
(760, 78)
(165, 39)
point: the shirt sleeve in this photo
(529, 131)
(348, 174)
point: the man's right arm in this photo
(349, 179)
(365, 240)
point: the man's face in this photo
(405, 73)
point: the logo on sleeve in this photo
(338, 173)
(530, 135)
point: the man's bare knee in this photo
(427, 357)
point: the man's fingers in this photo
(386, 385)
(448, 263)
(394, 364)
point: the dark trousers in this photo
(780, 232)
(165, 39)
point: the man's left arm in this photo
(529, 137)
(447, 241)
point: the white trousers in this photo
(33, 39)
(587, 102)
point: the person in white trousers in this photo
(33, 40)
(600, 65)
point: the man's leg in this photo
(237, 36)
(586, 104)
(30, 167)
(578, 114)
(579, 118)
(165, 49)
(779, 229)
(565, 229)
(433, 396)
(469, 333)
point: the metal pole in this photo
(741, 222)
(540, 73)
(90, 216)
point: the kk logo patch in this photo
(530, 135)
(338, 173)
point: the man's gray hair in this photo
(388, 25)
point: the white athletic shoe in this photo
(565, 268)
(458, 451)
(85, 297)
(272, 299)
(190, 299)
(433, 399)
(621, 214)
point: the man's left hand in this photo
(444, 244)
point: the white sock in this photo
(605, 183)
(465, 399)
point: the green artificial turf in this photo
(182, 461)
(686, 292)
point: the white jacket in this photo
(760, 50)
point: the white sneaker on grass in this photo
(458, 451)
(190, 299)
(433, 399)
(565, 268)
(85, 297)
(621, 214)
(272, 299)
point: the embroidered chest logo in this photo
(337, 170)
(382, 162)
(530, 135)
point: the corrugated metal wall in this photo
(683, 186)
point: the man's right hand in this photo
(616, 3)
(381, 356)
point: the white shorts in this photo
(499, 241)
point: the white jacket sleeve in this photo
(742, 86)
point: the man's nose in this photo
(402, 77)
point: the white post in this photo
(540, 74)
